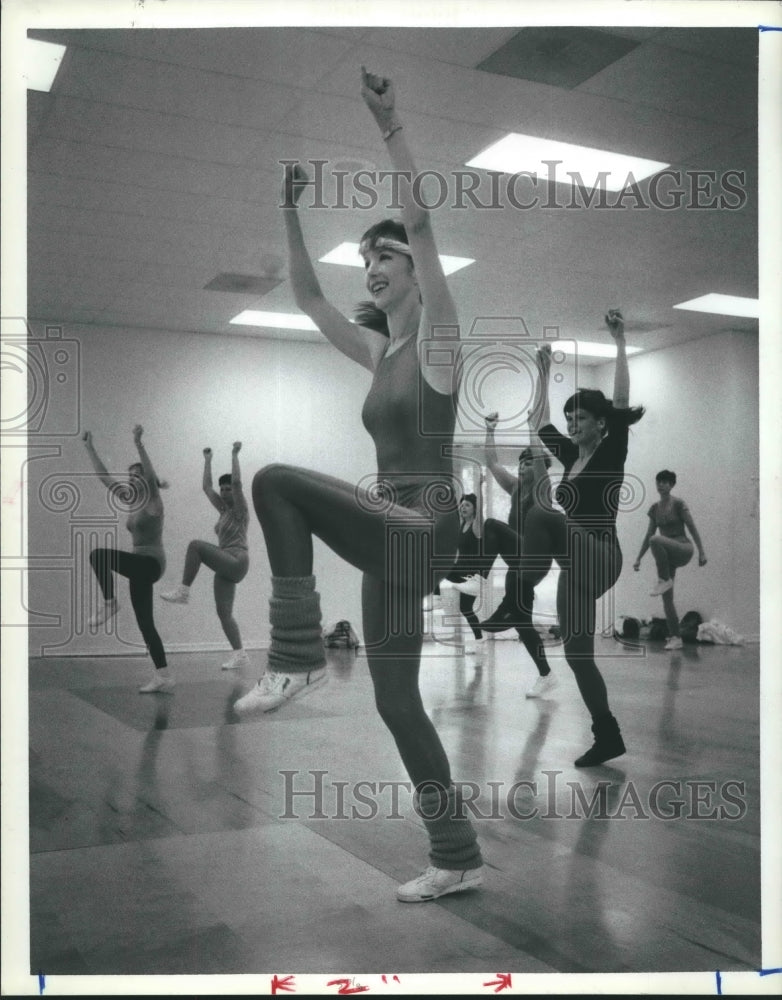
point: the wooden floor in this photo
(164, 839)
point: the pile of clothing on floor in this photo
(692, 628)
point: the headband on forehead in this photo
(384, 243)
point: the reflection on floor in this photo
(167, 836)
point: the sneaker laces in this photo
(271, 683)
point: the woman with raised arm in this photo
(229, 559)
(671, 549)
(529, 542)
(468, 571)
(402, 533)
(593, 454)
(145, 564)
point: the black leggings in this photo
(399, 550)
(142, 573)
(592, 567)
(543, 542)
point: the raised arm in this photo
(503, 477)
(650, 530)
(616, 327)
(355, 342)
(240, 502)
(687, 518)
(477, 524)
(540, 414)
(439, 309)
(146, 464)
(206, 483)
(97, 464)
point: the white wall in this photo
(292, 402)
(300, 403)
(702, 423)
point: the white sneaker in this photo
(161, 682)
(542, 686)
(673, 643)
(661, 587)
(274, 689)
(109, 609)
(475, 647)
(238, 658)
(436, 882)
(179, 595)
(471, 586)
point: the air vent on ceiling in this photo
(246, 284)
(561, 57)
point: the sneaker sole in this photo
(460, 887)
(299, 694)
(596, 763)
(541, 694)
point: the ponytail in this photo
(367, 314)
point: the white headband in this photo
(384, 243)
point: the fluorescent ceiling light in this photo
(281, 321)
(724, 305)
(588, 348)
(347, 254)
(526, 153)
(41, 62)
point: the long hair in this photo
(367, 314)
(595, 402)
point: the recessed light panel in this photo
(516, 154)
(723, 305)
(41, 62)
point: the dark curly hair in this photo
(596, 403)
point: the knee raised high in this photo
(270, 480)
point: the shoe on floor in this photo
(661, 587)
(162, 682)
(542, 686)
(673, 643)
(608, 743)
(179, 595)
(475, 646)
(274, 689)
(237, 659)
(108, 610)
(471, 586)
(435, 882)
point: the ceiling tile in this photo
(680, 83)
(555, 55)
